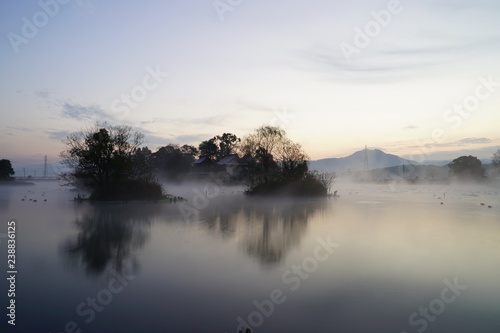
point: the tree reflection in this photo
(108, 237)
(265, 229)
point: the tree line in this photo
(111, 161)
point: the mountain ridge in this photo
(377, 159)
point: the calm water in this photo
(370, 261)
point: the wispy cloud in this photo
(80, 112)
(461, 143)
(155, 141)
(212, 120)
(58, 135)
(192, 139)
(44, 93)
(19, 128)
(466, 4)
(471, 141)
(397, 61)
(411, 127)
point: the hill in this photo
(377, 159)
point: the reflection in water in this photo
(266, 229)
(108, 237)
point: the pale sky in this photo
(233, 65)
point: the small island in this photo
(111, 163)
(108, 160)
(278, 166)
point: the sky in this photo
(420, 79)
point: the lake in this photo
(380, 258)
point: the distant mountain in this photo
(377, 159)
(422, 172)
(437, 162)
(485, 161)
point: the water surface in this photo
(151, 269)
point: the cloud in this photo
(193, 139)
(19, 128)
(460, 143)
(153, 140)
(80, 112)
(395, 61)
(155, 120)
(471, 141)
(58, 135)
(486, 5)
(44, 93)
(411, 127)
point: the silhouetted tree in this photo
(266, 137)
(189, 150)
(209, 149)
(292, 160)
(173, 161)
(219, 146)
(278, 164)
(6, 170)
(467, 167)
(108, 160)
(227, 144)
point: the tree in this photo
(467, 167)
(189, 150)
(292, 160)
(227, 144)
(278, 165)
(209, 149)
(270, 147)
(6, 170)
(109, 161)
(219, 146)
(325, 178)
(266, 137)
(173, 161)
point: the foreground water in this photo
(377, 259)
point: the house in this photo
(203, 167)
(234, 166)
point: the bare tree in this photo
(326, 179)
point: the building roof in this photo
(231, 159)
(202, 160)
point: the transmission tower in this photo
(45, 168)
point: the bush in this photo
(310, 185)
(134, 189)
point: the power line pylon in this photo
(45, 168)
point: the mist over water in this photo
(398, 244)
